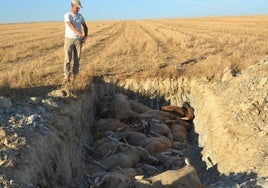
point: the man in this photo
(74, 37)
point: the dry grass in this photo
(31, 54)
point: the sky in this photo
(16, 11)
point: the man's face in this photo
(75, 9)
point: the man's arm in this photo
(85, 28)
(85, 32)
(80, 34)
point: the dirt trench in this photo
(62, 156)
(224, 147)
(156, 93)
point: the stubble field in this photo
(31, 54)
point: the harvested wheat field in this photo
(157, 103)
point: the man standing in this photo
(74, 37)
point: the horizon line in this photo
(162, 18)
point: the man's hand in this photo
(79, 34)
(84, 39)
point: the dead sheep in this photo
(186, 111)
(158, 127)
(179, 145)
(138, 107)
(128, 156)
(185, 177)
(168, 161)
(119, 108)
(153, 145)
(104, 125)
(117, 177)
(116, 106)
(158, 114)
(147, 170)
(179, 133)
(134, 138)
(186, 124)
(105, 147)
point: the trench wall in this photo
(57, 158)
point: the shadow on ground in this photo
(38, 91)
